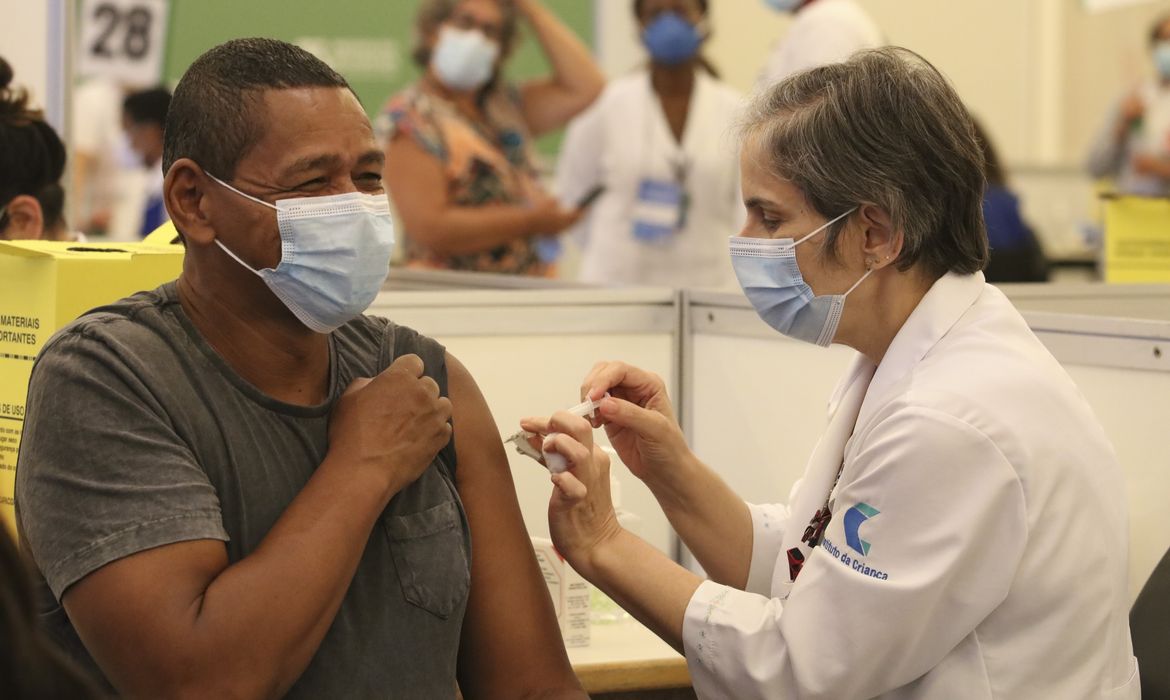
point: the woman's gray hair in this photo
(883, 128)
(431, 15)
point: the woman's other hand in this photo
(548, 217)
(581, 516)
(1146, 164)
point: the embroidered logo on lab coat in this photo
(851, 522)
(854, 518)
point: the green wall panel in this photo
(367, 41)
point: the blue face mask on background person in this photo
(671, 39)
(1162, 59)
(783, 5)
(464, 59)
(334, 255)
(771, 280)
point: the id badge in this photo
(659, 211)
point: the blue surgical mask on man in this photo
(334, 255)
(1162, 59)
(464, 59)
(671, 39)
(771, 280)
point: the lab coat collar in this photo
(942, 306)
(698, 108)
(861, 369)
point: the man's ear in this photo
(183, 194)
(882, 241)
(26, 219)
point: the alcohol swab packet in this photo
(556, 463)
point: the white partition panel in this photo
(1144, 301)
(756, 402)
(529, 351)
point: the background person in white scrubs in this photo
(1133, 145)
(103, 161)
(658, 141)
(960, 531)
(822, 32)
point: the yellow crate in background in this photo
(43, 286)
(1137, 239)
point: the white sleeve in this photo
(90, 129)
(924, 542)
(769, 523)
(1106, 154)
(829, 39)
(739, 211)
(579, 163)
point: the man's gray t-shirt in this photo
(138, 434)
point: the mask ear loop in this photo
(869, 270)
(245, 195)
(857, 284)
(826, 225)
(235, 257)
(219, 243)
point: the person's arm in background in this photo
(549, 103)
(89, 137)
(1156, 166)
(416, 182)
(511, 645)
(1107, 153)
(85, 217)
(579, 165)
(32, 665)
(821, 41)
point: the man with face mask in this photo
(238, 485)
(822, 32)
(1133, 146)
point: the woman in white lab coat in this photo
(658, 142)
(960, 531)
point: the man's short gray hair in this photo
(883, 128)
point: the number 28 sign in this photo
(124, 40)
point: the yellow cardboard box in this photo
(1137, 240)
(43, 286)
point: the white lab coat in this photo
(622, 139)
(995, 566)
(827, 31)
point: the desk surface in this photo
(625, 656)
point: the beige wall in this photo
(32, 40)
(1039, 73)
(29, 60)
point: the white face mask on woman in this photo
(464, 59)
